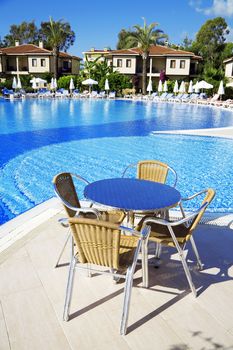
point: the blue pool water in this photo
(97, 139)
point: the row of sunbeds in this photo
(186, 98)
(60, 93)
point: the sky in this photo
(97, 23)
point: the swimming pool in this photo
(97, 139)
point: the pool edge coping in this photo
(19, 228)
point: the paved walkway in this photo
(164, 317)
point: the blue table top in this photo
(132, 194)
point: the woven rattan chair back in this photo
(152, 170)
(98, 242)
(64, 187)
(210, 193)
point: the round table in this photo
(132, 194)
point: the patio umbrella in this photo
(90, 82)
(52, 84)
(38, 81)
(34, 86)
(165, 88)
(71, 87)
(19, 85)
(182, 87)
(221, 90)
(196, 88)
(176, 87)
(106, 85)
(55, 83)
(149, 87)
(204, 85)
(160, 86)
(190, 89)
(14, 83)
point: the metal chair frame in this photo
(143, 235)
(186, 220)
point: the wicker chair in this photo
(65, 190)
(101, 243)
(177, 233)
(152, 170)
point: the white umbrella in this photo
(34, 86)
(160, 87)
(106, 85)
(38, 80)
(182, 87)
(149, 86)
(204, 85)
(71, 87)
(55, 83)
(221, 90)
(52, 84)
(89, 82)
(14, 83)
(190, 89)
(196, 88)
(19, 85)
(165, 89)
(176, 87)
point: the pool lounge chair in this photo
(112, 95)
(161, 97)
(193, 98)
(176, 234)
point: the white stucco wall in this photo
(38, 68)
(177, 70)
(124, 69)
(229, 69)
(0, 64)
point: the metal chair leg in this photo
(62, 251)
(199, 263)
(126, 303)
(69, 289)
(145, 263)
(184, 263)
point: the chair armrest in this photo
(193, 196)
(178, 222)
(144, 233)
(129, 166)
(80, 178)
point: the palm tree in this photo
(57, 36)
(144, 37)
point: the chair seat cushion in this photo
(160, 233)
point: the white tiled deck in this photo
(164, 317)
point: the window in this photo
(119, 63)
(34, 62)
(182, 64)
(128, 63)
(65, 64)
(42, 62)
(173, 64)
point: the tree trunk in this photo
(144, 74)
(55, 57)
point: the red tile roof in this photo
(154, 51)
(31, 49)
(24, 49)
